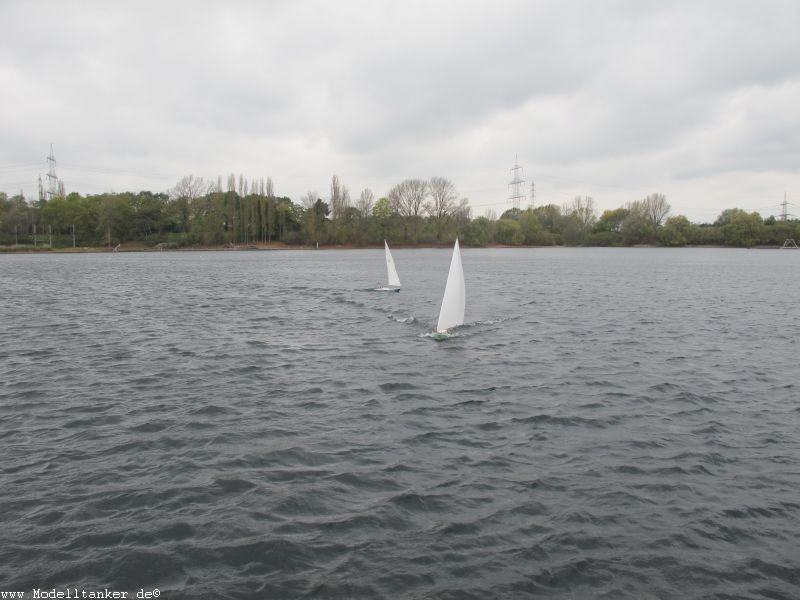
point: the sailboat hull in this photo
(440, 336)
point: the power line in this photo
(22, 167)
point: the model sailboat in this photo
(393, 281)
(452, 312)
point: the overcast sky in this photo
(696, 100)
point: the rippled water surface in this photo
(609, 423)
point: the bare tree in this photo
(229, 197)
(185, 194)
(580, 218)
(463, 213)
(407, 198)
(340, 198)
(339, 201)
(345, 199)
(189, 187)
(312, 222)
(310, 199)
(583, 212)
(269, 192)
(636, 227)
(365, 202)
(655, 209)
(442, 203)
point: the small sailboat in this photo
(452, 312)
(393, 281)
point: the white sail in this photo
(452, 311)
(394, 280)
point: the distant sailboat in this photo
(452, 312)
(393, 281)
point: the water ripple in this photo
(609, 424)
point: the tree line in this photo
(241, 212)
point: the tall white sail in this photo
(452, 311)
(394, 280)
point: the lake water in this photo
(609, 423)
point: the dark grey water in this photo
(617, 423)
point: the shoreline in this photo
(135, 247)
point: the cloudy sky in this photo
(698, 100)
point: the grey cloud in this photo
(613, 93)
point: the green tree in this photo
(727, 215)
(508, 232)
(743, 230)
(57, 213)
(314, 217)
(148, 214)
(706, 235)
(530, 227)
(477, 232)
(775, 232)
(17, 220)
(350, 230)
(209, 218)
(611, 220)
(114, 220)
(549, 215)
(607, 229)
(381, 212)
(675, 232)
(511, 213)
